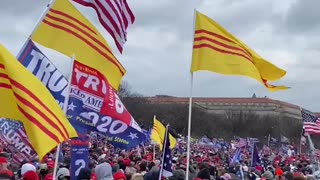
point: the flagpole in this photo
(64, 109)
(312, 153)
(153, 144)
(189, 128)
(269, 140)
(44, 13)
(154, 151)
(190, 104)
(301, 134)
(163, 152)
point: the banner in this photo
(79, 155)
(14, 138)
(95, 106)
(37, 63)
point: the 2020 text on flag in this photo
(217, 50)
(26, 99)
(67, 31)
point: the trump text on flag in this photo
(39, 65)
(95, 106)
(13, 134)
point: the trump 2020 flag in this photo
(38, 64)
(166, 165)
(89, 109)
(26, 99)
(13, 136)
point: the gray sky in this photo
(157, 55)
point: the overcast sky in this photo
(157, 55)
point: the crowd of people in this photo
(206, 163)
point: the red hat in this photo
(30, 175)
(6, 172)
(93, 176)
(3, 160)
(279, 172)
(50, 164)
(126, 162)
(119, 175)
(49, 177)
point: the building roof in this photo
(185, 100)
(317, 114)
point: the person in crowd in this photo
(84, 174)
(104, 171)
(63, 174)
(206, 163)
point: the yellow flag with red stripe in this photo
(158, 133)
(24, 98)
(217, 50)
(67, 31)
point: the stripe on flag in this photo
(311, 123)
(114, 16)
(64, 22)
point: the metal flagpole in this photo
(37, 24)
(154, 152)
(65, 109)
(301, 134)
(189, 129)
(163, 150)
(190, 107)
(312, 153)
(153, 144)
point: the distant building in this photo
(258, 105)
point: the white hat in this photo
(102, 157)
(245, 168)
(27, 167)
(63, 172)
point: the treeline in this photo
(234, 122)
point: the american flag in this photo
(273, 140)
(311, 123)
(240, 142)
(114, 16)
(166, 166)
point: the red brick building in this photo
(261, 106)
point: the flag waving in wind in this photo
(218, 51)
(311, 123)
(26, 99)
(166, 165)
(67, 31)
(94, 105)
(114, 16)
(158, 134)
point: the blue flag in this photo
(79, 155)
(255, 156)
(166, 166)
(38, 64)
(94, 106)
(236, 157)
(84, 107)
